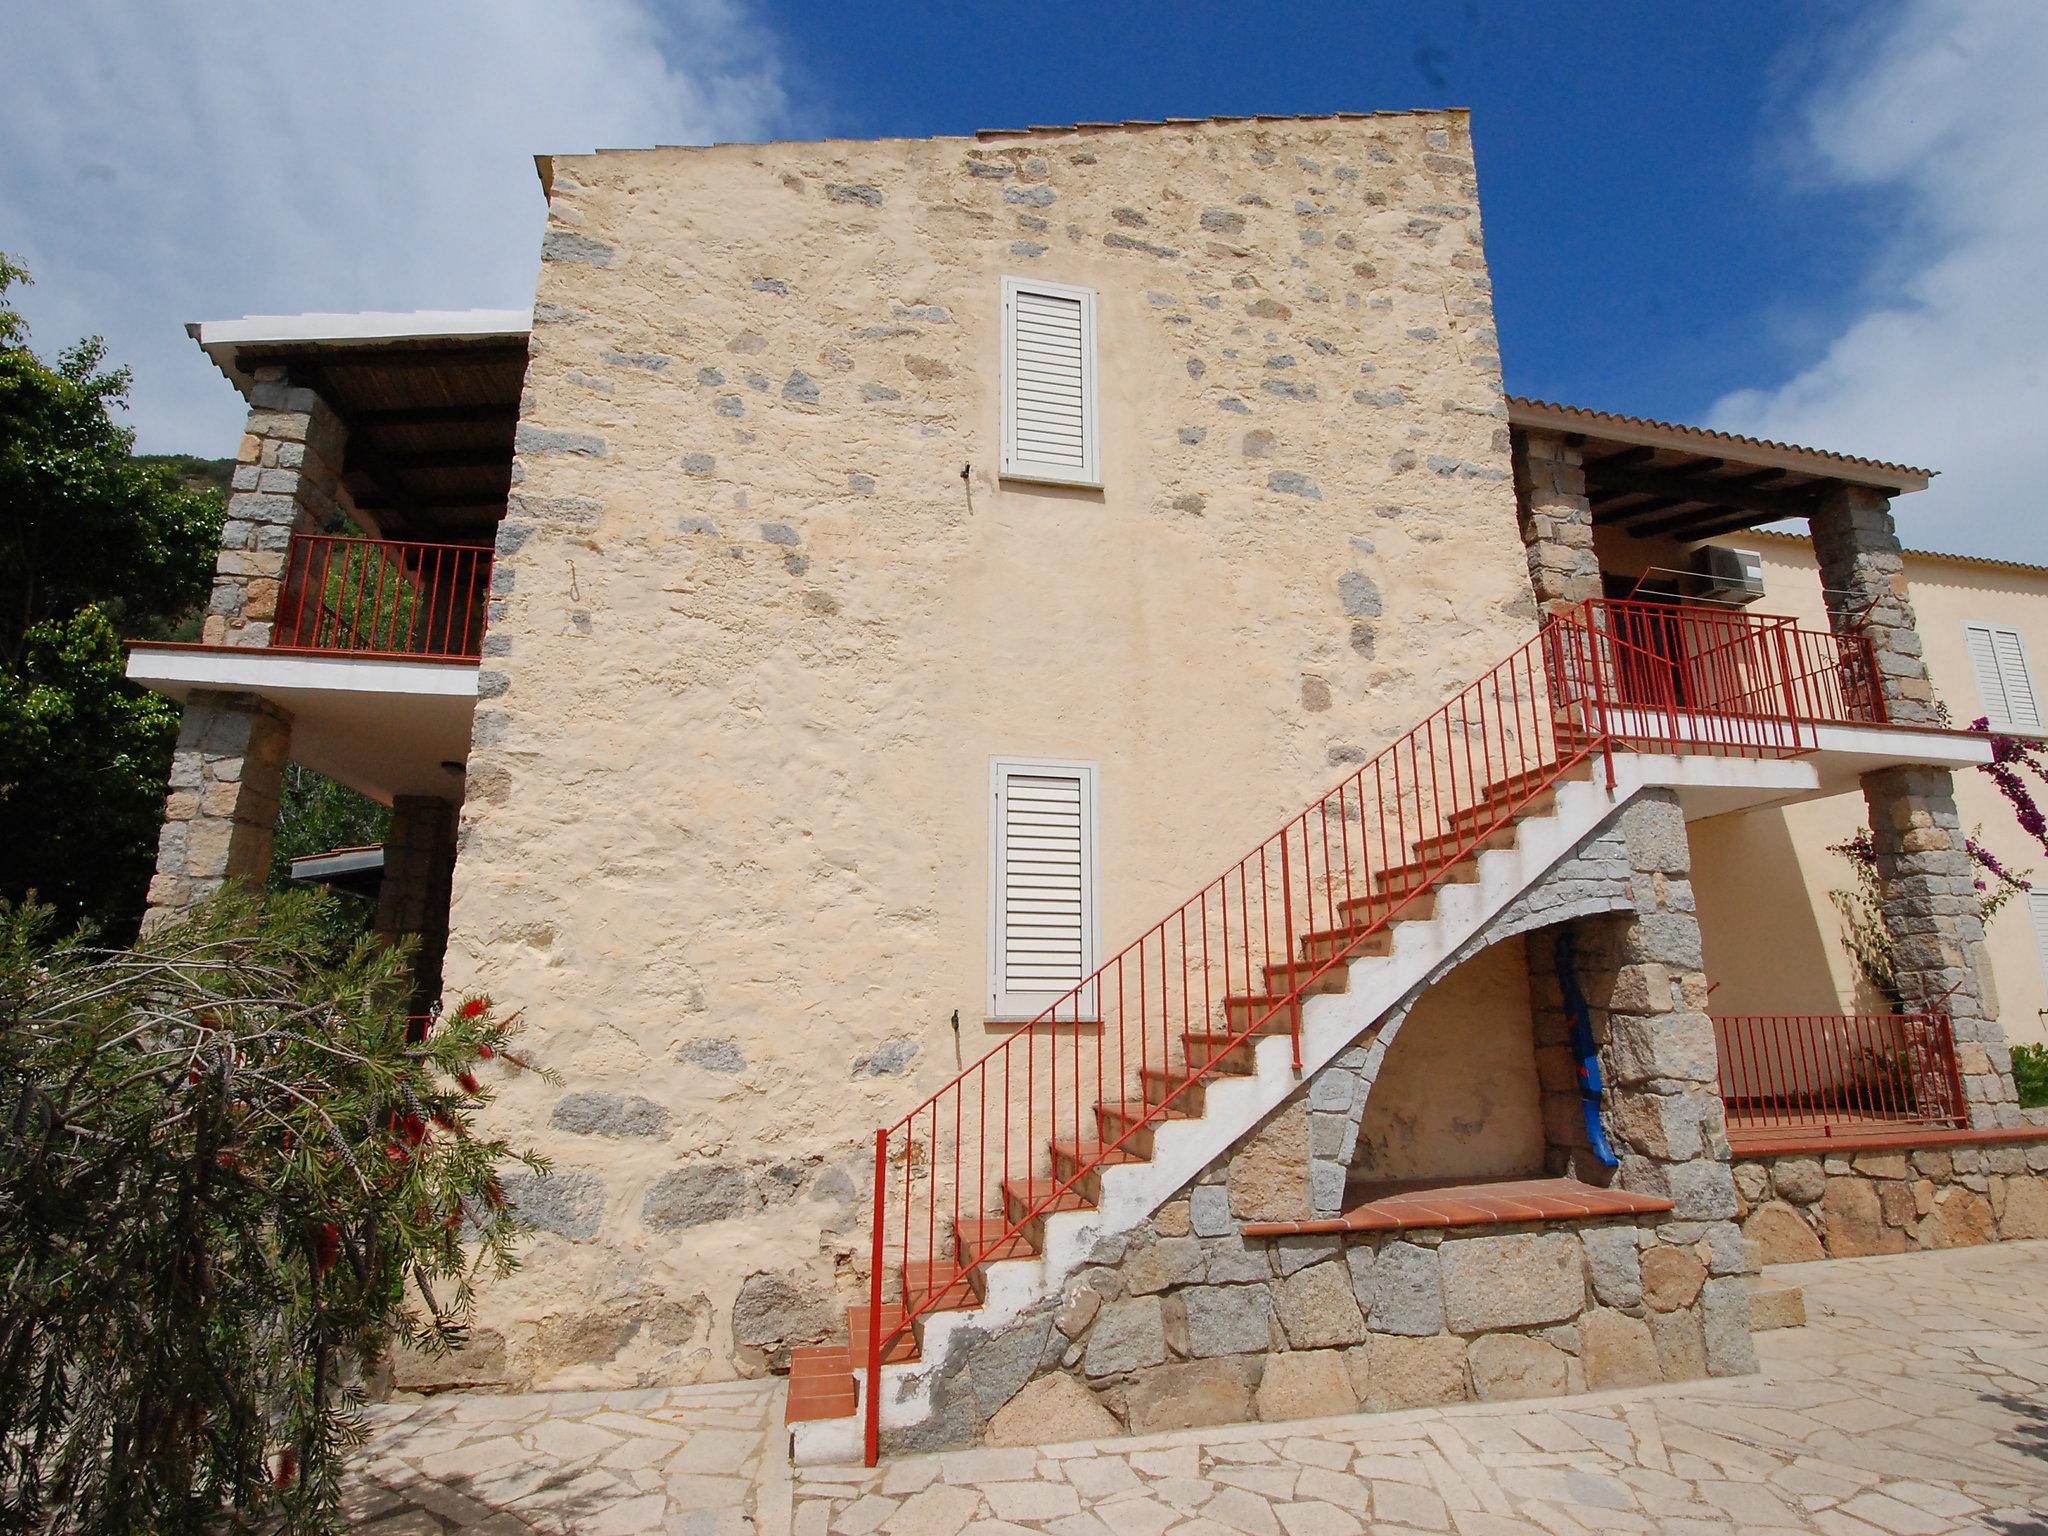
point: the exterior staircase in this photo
(996, 1188)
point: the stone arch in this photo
(1594, 879)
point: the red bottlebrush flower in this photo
(397, 1153)
(486, 1052)
(494, 1194)
(326, 1247)
(445, 1120)
(469, 1082)
(415, 1129)
(476, 1007)
(287, 1469)
(227, 1159)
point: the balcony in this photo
(383, 598)
(372, 650)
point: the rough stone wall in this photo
(1805, 1205)
(754, 637)
(1556, 520)
(287, 479)
(1186, 1322)
(227, 773)
(1935, 917)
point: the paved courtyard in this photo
(1915, 1401)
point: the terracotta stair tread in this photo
(1029, 1192)
(1090, 1154)
(973, 1234)
(946, 1283)
(896, 1351)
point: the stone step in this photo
(1774, 1304)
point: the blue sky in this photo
(1646, 251)
(1825, 222)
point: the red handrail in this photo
(1837, 1073)
(383, 597)
(1025, 1124)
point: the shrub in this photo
(2030, 1074)
(229, 1181)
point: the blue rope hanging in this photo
(1591, 1084)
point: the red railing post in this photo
(1287, 921)
(871, 1433)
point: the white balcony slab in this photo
(384, 727)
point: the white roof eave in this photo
(221, 340)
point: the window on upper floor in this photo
(2004, 685)
(1049, 385)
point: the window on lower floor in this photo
(1042, 898)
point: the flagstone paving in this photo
(1915, 1401)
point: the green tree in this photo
(95, 544)
(229, 1182)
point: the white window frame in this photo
(1014, 466)
(2002, 718)
(1019, 1007)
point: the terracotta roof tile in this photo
(1190, 122)
(1595, 418)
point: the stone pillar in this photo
(1557, 520)
(1931, 908)
(1864, 577)
(419, 870)
(287, 480)
(226, 775)
(1644, 984)
(1932, 911)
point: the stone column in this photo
(287, 480)
(419, 870)
(226, 775)
(1557, 520)
(1931, 908)
(1864, 577)
(1933, 914)
(1643, 980)
(229, 767)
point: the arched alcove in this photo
(1459, 1096)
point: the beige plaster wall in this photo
(1458, 1096)
(757, 638)
(1774, 949)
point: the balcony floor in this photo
(384, 726)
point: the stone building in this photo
(818, 657)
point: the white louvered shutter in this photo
(2004, 683)
(1049, 391)
(2037, 909)
(1044, 897)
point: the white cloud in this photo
(172, 160)
(1943, 113)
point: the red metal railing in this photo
(1734, 668)
(960, 1178)
(379, 597)
(1836, 1074)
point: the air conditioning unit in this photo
(1727, 575)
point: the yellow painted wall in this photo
(1458, 1095)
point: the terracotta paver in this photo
(1915, 1401)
